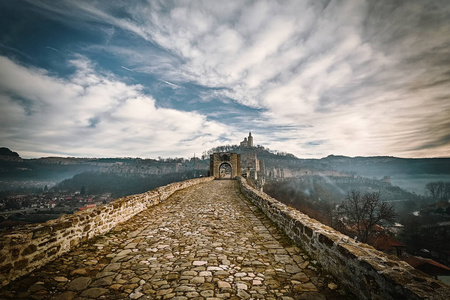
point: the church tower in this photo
(250, 140)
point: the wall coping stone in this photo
(365, 271)
(32, 246)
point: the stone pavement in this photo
(204, 242)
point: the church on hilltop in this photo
(251, 166)
(247, 142)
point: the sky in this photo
(175, 78)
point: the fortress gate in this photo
(225, 165)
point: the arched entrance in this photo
(225, 171)
(225, 165)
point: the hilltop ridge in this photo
(48, 170)
(6, 152)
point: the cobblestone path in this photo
(204, 242)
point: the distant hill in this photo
(6, 152)
(382, 165)
(55, 169)
(375, 166)
(17, 173)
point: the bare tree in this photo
(439, 189)
(366, 211)
(432, 188)
(447, 190)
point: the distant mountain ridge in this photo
(12, 166)
(368, 166)
(6, 152)
(383, 165)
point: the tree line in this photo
(439, 190)
(357, 213)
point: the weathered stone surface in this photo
(305, 287)
(33, 246)
(94, 292)
(363, 270)
(205, 241)
(113, 266)
(302, 277)
(105, 281)
(198, 280)
(185, 288)
(36, 288)
(61, 279)
(29, 249)
(223, 284)
(332, 286)
(136, 295)
(65, 296)
(80, 272)
(243, 294)
(292, 269)
(191, 241)
(311, 296)
(79, 284)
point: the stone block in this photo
(21, 264)
(52, 251)
(29, 249)
(47, 242)
(14, 252)
(326, 240)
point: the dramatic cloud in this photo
(308, 77)
(92, 113)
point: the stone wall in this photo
(33, 246)
(368, 273)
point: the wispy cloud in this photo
(125, 68)
(361, 77)
(51, 48)
(171, 84)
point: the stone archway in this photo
(225, 165)
(225, 171)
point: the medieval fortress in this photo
(245, 164)
(216, 244)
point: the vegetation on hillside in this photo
(425, 221)
(439, 190)
(98, 183)
(364, 212)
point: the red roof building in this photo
(387, 244)
(428, 266)
(87, 206)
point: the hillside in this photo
(41, 171)
(6, 152)
(16, 174)
(382, 165)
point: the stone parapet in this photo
(368, 273)
(32, 246)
